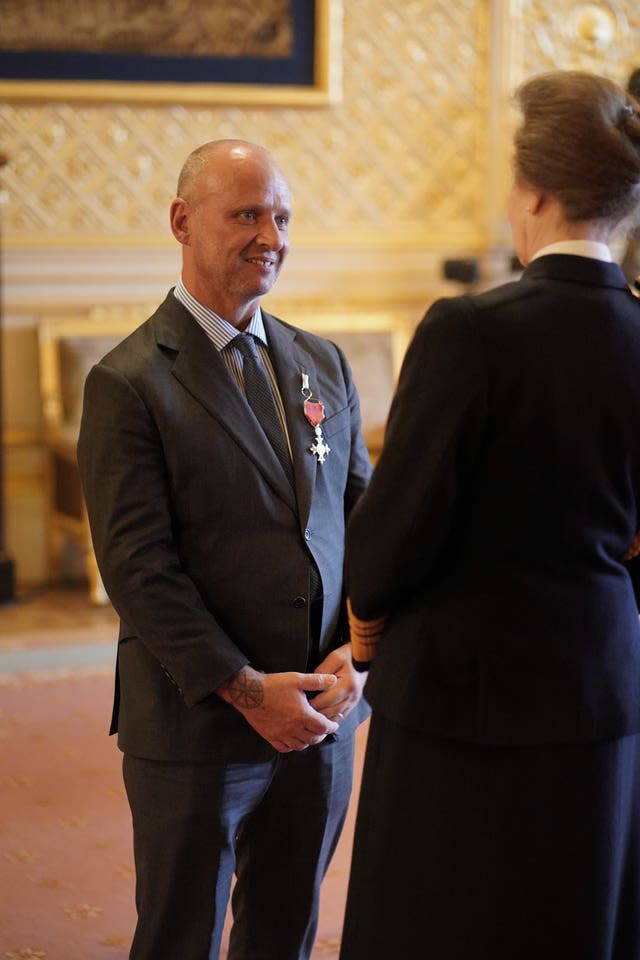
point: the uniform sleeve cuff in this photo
(365, 637)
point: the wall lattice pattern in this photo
(403, 153)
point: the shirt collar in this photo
(219, 330)
(578, 248)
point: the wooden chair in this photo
(68, 347)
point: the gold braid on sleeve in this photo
(634, 549)
(365, 635)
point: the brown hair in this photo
(580, 140)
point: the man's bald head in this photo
(217, 154)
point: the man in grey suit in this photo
(220, 542)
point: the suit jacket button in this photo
(307, 534)
(300, 602)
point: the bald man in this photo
(218, 526)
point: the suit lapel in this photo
(290, 361)
(202, 372)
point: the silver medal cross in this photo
(319, 448)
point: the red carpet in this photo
(66, 867)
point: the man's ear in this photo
(179, 220)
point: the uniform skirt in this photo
(467, 852)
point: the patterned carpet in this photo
(66, 867)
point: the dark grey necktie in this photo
(260, 397)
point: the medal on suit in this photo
(314, 412)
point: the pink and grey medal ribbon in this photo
(314, 412)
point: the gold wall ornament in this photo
(574, 35)
(595, 26)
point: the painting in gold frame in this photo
(311, 75)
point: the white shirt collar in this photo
(577, 248)
(219, 330)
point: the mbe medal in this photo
(314, 412)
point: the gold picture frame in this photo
(326, 87)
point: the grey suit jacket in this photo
(493, 530)
(203, 545)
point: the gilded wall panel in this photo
(408, 154)
(402, 155)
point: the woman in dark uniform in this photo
(491, 588)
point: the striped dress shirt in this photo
(221, 333)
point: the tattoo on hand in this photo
(247, 693)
